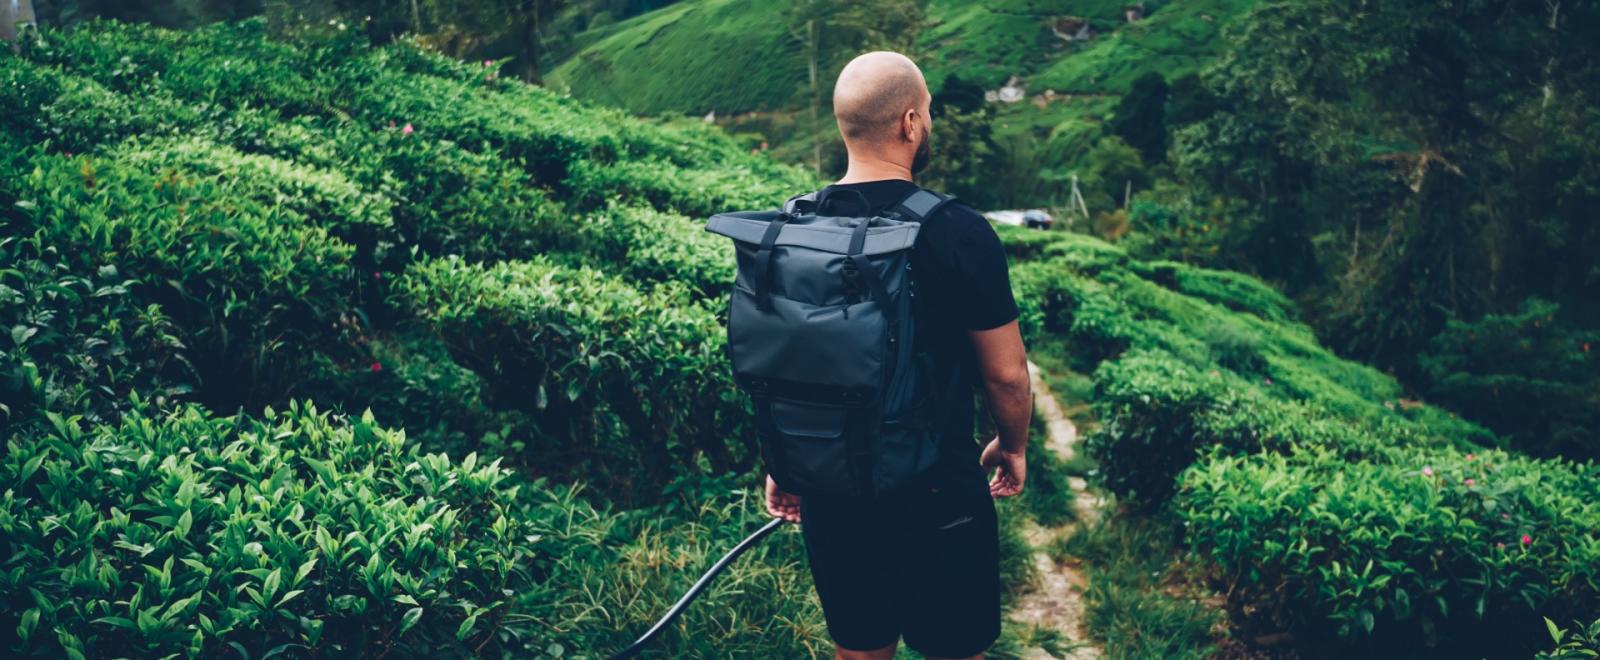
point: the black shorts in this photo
(924, 565)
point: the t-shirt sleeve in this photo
(983, 284)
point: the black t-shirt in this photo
(958, 271)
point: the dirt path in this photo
(1057, 603)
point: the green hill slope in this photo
(690, 57)
(736, 56)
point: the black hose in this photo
(699, 586)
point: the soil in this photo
(1056, 602)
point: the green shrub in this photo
(626, 387)
(239, 277)
(1189, 358)
(189, 534)
(1533, 375)
(313, 197)
(78, 343)
(1235, 291)
(659, 247)
(78, 114)
(1583, 643)
(1420, 549)
(407, 377)
(1236, 348)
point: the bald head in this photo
(873, 95)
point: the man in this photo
(924, 564)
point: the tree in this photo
(1411, 161)
(12, 14)
(1140, 118)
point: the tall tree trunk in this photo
(816, 128)
(13, 13)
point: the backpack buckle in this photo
(854, 396)
(852, 278)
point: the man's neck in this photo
(870, 168)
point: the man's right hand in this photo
(1010, 469)
(782, 504)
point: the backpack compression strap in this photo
(921, 204)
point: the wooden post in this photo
(12, 14)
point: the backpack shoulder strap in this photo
(799, 203)
(922, 204)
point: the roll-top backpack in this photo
(820, 334)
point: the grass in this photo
(1047, 497)
(1141, 602)
(1072, 388)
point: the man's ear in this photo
(909, 126)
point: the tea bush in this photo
(310, 196)
(1178, 373)
(1299, 475)
(1460, 552)
(79, 342)
(626, 387)
(240, 277)
(189, 534)
(659, 247)
(75, 113)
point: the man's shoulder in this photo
(956, 218)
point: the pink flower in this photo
(488, 63)
(376, 367)
(1501, 546)
(1505, 516)
(1470, 457)
(1269, 381)
(1427, 472)
(1527, 540)
(1469, 481)
(407, 130)
(377, 276)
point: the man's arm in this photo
(1003, 365)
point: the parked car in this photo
(1037, 219)
(1031, 218)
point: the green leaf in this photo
(322, 468)
(21, 333)
(185, 522)
(118, 621)
(269, 586)
(410, 619)
(466, 627)
(31, 466)
(304, 570)
(30, 620)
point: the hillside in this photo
(740, 60)
(329, 347)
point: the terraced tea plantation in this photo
(319, 348)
